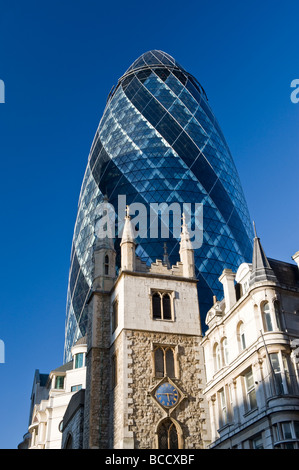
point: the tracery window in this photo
(168, 435)
(164, 361)
(162, 306)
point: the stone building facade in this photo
(50, 399)
(251, 355)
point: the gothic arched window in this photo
(166, 307)
(267, 317)
(159, 362)
(164, 359)
(106, 265)
(162, 305)
(167, 435)
(156, 305)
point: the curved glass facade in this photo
(159, 141)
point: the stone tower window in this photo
(162, 306)
(166, 307)
(164, 361)
(156, 300)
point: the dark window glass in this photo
(114, 316)
(156, 306)
(106, 264)
(166, 307)
(162, 73)
(159, 363)
(167, 435)
(59, 382)
(169, 363)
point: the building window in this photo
(164, 360)
(76, 388)
(267, 320)
(225, 351)
(277, 314)
(250, 391)
(241, 336)
(282, 378)
(223, 408)
(257, 442)
(286, 435)
(59, 382)
(167, 435)
(106, 265)
(79, 359)
(114, 316)
(162, 306)
(114, 371)
(217, 357)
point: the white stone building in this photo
(51, 395)
(251, 356)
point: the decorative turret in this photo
(261, 269)
(186, 251)
(128, 245)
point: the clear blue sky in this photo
(59, 60)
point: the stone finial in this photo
(128, 244)
(186, 251)
(295, 257)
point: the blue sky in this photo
(59, 60)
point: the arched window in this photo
(277, 314)
(225, 351)
(161, 306)
(169, 362)
(166, 307)
(167, 435)
(159, 362)
(106, 264)
(241, 336)
(156, 305)
(164, 361)
(267, 320)
(217, 357)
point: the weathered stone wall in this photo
(96, 415)
(142, 414)
(75, 429)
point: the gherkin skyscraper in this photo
(158, 141)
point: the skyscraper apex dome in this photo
(154, 58)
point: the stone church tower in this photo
(145, 366)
